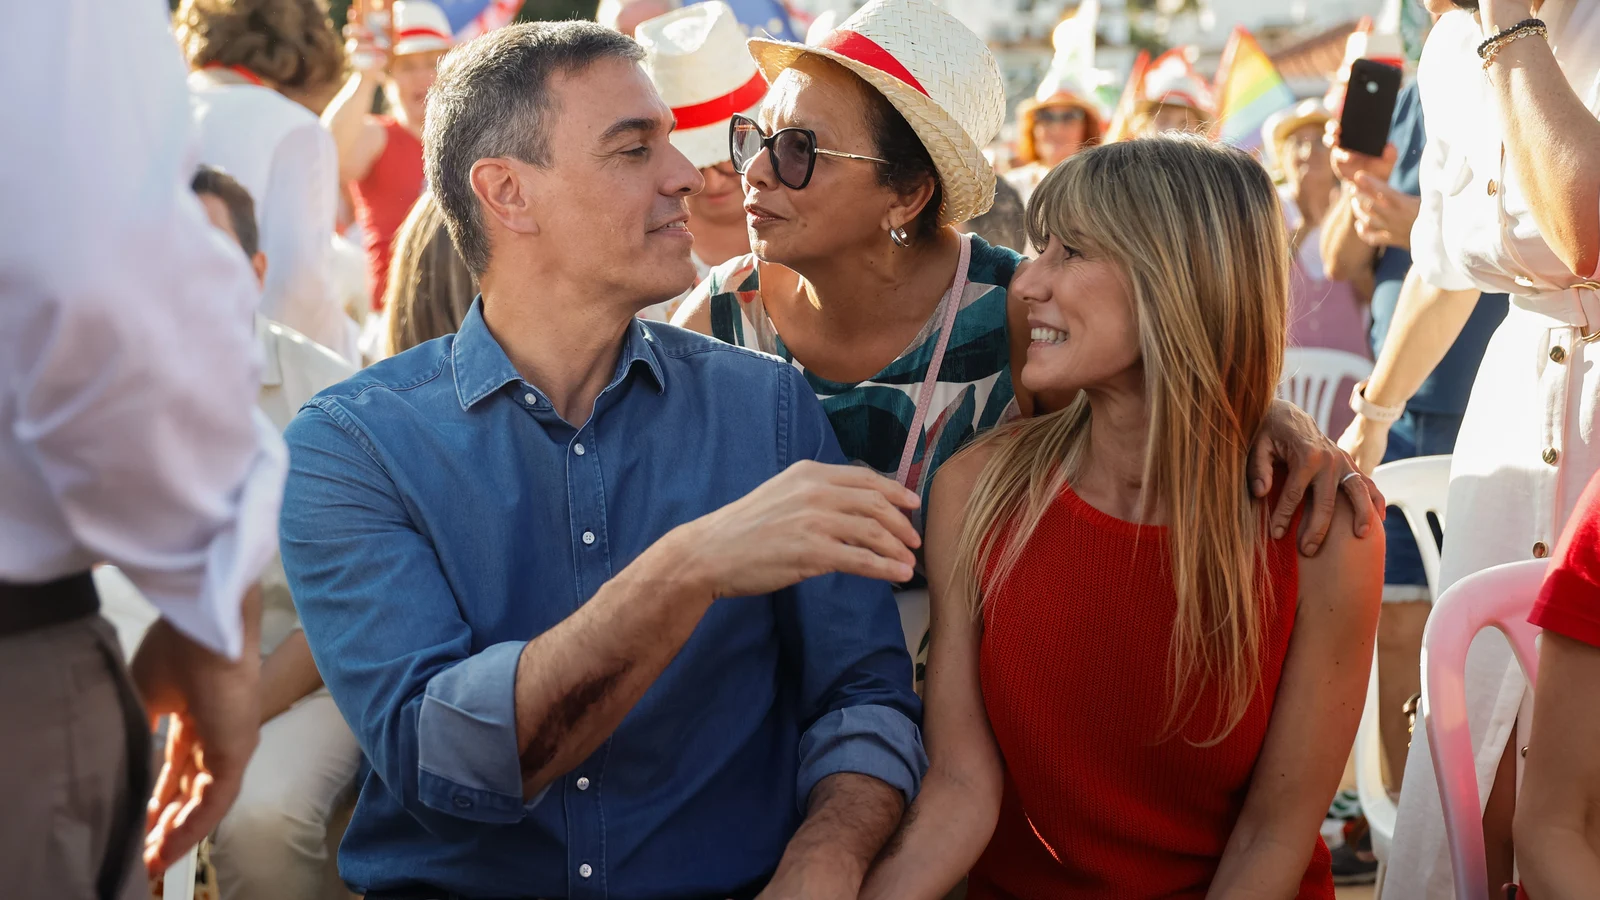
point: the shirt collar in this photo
(482, 367)
(271, 365)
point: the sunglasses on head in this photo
(1058, 116)
(794, 151)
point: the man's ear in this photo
(502, 186)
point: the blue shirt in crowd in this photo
(439, 514)
(1447, 388)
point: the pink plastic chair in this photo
(1500, 597)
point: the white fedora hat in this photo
(1172, 81)
(420, 26)
(698, 60)
(936, 72)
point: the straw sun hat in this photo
(938, 74)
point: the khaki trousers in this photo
(74, 766)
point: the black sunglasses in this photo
(794, 151)
(1058, 116)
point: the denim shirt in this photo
(439, 514)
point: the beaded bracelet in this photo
(1489, 49)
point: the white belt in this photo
(1577, 306)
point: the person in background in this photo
(1004, 224)
(1510, 184)
(626, 15)
(1133, 685)
(430, 288)
(274, 841)
(1369, 230)
(380, 156)
(1558, 846)
(1323, 311)
(244, 55)
(697, 58)
(127, 435)
(511, 547)
(1051, 126)
(1173, 97)
(854, 180)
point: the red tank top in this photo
(385, 196)
(1074, 669)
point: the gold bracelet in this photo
(1491, 48)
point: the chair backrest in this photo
(1312, 377)
(1499, 597)
(1419, 486)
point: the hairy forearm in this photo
(1553, 144)
(849, 817)
(288, 675)
(1426, 323)
(577, 681)
(1345, 256)
(940, 839)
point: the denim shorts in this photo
(1416, 434)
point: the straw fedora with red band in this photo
(420, 26)
(697, 58)
(938, 74)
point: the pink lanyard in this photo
(952, 305)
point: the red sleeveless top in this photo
(1074, 670)
(384, 198)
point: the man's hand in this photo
(1291, 437)
(811, 519)
(1365, 440)
(1383, 215)
(1348, 163)
(214, 703)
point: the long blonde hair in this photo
(430, 289)
(1197, 231)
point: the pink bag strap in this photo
(951, 304)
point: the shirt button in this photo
(1540, 550)
(530, 399)
(1558, 354)
(585, 870)
(578, 449)
(583, 784)
(588, 537)
(463, 802)
(1550, 455)
(1493, 188)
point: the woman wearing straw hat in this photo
(1052, 126)
(867, 149)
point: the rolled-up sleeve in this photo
(843, 636)
(1439, 171)
(433, 713)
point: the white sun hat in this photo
(1172, 81)
(420, 26)
(936, 72)
(1285, 122)
(699, 62)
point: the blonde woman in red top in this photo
(1133, 690)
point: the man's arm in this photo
(479, 735)
(848, 820)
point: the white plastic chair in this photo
(178, 882)
(1500, 597)
(1312, 377)
(1418, 487)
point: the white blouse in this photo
(1475, 228)
(283, 156)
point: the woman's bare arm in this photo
(1320, 694)
(1557, 828)
(954, 816)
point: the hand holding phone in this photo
(1368, 107)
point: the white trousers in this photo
(274, 842)
(1526, 450)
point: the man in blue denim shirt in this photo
(605, 615)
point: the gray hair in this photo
(491, 99)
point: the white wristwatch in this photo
(1369, 410)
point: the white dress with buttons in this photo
(1527, 444)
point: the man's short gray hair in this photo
(492, 99)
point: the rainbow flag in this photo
(1249, 91)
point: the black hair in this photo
(241, 207)
(910, 163)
